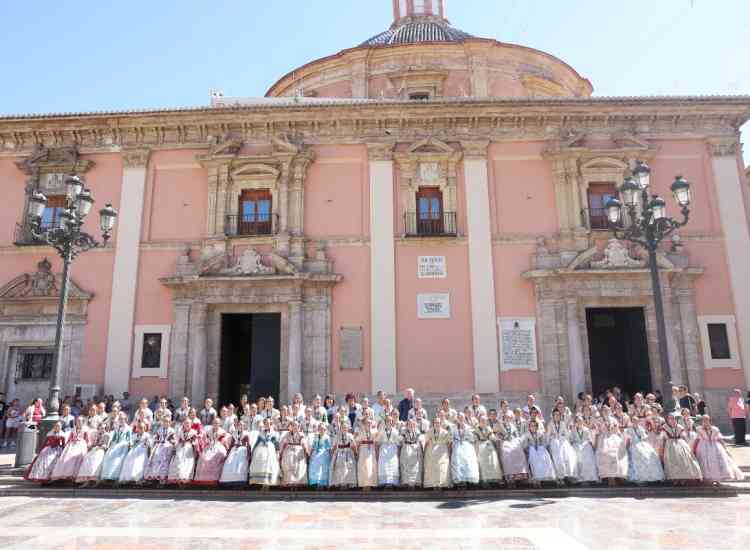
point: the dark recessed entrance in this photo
(250, 356)
(618, 349)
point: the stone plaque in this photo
(431, 267)
(350, 348)
(517, 343)
(53, 184)
(433, 306)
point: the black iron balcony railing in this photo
(250, 226)
(24, 237)
(595, 219)
(442, 225)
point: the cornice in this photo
(724, 146)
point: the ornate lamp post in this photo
(647, 225)
(69, 240)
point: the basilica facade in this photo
(425, 209)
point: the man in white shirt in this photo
(379, 405)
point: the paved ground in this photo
(543, 524)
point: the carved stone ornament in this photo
(475, 149)
(63, 160)
(226, 145)
(380, 151)
(249, 263)
(135, 158)
(724, 147)
(40, 284)
(617, 256)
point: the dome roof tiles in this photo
(416, 32)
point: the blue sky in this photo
(92, 55)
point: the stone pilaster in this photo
(178, 362)
(575, 347)
(294, 380)
(197, 352)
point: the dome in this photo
(415, 32)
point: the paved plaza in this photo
(544, 524)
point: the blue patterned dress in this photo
(644, 465)
(320, 461)
(119, 447)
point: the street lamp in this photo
(647, 225)
(69, 241)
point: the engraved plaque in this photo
(517, 343)
(350, 348)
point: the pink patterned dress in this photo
(70, 460)
(161, 455)
(211, 461)
(41, 468)
(713, 458)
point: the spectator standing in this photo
(126, 405)
(406, 404)
(737, 410)
(3, 409)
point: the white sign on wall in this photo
(431, 267)
(433, 306)
(517, 343)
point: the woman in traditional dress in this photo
(490, 470)
(411, 455)
(344, 458)
(510, 449)
(367, 456)
(320, 458)
(44, 463)
(611, 452)
(690, 432)
(644, 465)
(309, 425)
(388, 440)
(185, 454)
(134, 467)
(464, 463)
(91, 465)
(213, 454)
(437, 457)
(294, 453)
(653, 432)
(712, 454)
(70, 461)
(540, 461)
(237, 464)
(118, 449)
(319, 412)
(264, 464)
(566, 415)
(563, 454)
(162, 452)
(680, 466)
(282, 422)
(582, 440)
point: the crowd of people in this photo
(366, 445)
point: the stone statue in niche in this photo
(616, 256)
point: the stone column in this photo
(294, 378)
(690, 337)
(734, 223)
(178, 361)
(197, 352)
(125, 274)
(575, 347)
(382, 270)
(481, 269)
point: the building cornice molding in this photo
(135, 158)
(724, 146)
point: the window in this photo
(34, 364)
(51, 215)
(429, 211)
(718, 340)
(255, 213)
(599, 195)
(419, 96)
(151, 356)
(419, 6)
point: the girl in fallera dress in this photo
(389, 470)
(344, 458)
(582, 440)
(690, 432)
(70, 461)
(644, 465)
(437, 457)
(118, 449)
(182, 467)
(411, 455)
(540, 461)
(134, 466)
(320, 458)
(715, 462)
(680, 466)
(510, 445)
(91, 465)
(490, 470)
(162, 452)
(367, 456)
(464, 463)
(563, 455)
(294, 453)
(237, 465)
(264, 464)
(611, 452)
(215, 448)
(41, 468)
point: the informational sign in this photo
(434, 306)
(517, 343)
(431, 267)
(350, 348)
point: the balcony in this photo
(595, 219)
(250, 226)
(24, 237)
(438, 226)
